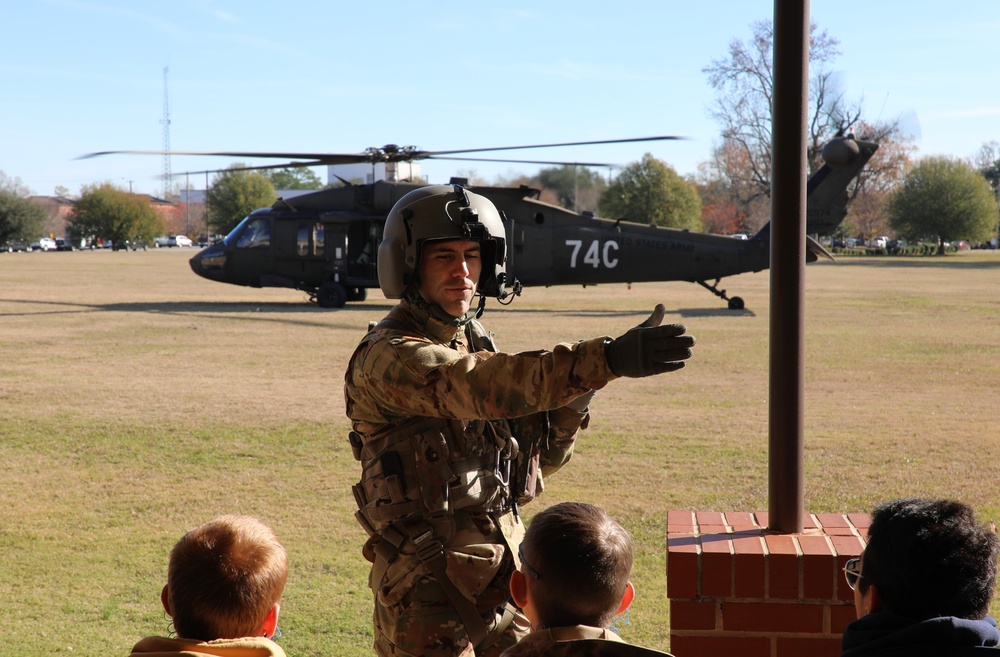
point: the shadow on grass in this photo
(715, 312)
(259, 311)
(927, 262)
(242, 311)
(639, 314)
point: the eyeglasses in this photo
(525, 564)
(852, 571)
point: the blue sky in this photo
(87, 75)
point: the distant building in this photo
(369, 173)
(176, 216)
(57, 209)
(198, 196)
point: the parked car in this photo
(130, 245)
(12, 247)
(44, 244)
(179, 240)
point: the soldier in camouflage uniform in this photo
(453, 435)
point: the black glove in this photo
(649, 348)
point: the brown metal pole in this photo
(788, 252)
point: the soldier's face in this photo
(448, 274)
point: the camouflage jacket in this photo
(253, 646)
(451, 433)
(544, 641)
(579, 641)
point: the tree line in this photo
(934, 197)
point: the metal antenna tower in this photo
(165, 122)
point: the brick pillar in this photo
(737, 589)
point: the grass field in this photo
(139, 401)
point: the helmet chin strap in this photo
(481, 308)
(413, 296)
(468, 317)
(464, 320)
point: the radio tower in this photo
(165, 122)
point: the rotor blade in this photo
(284, 165)
(318, 158)
(572, 143)
(487, 159)
(387, 153)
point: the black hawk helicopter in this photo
(325, 243)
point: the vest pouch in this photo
(433, 470)
(381, 481)
(399, 578)
(527, 481)
(398, 575)
(532, 432)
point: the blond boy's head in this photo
(225, 580)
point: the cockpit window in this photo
(303, 241)
(257, 234)
(230, 237)
(319, 239)
(311, 239)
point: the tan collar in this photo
(437, 328)
(573, 632)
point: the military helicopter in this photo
(325, 243)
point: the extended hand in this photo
(649, 348)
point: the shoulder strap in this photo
(479, 338)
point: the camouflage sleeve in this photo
(413, 376)
(564, 424)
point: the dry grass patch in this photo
(140, 400)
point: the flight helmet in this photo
(441, 213)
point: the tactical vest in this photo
(432, 467)
(416, 476)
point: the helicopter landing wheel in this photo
(357, 294)
(735, 303)
(331, 295)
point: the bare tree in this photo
(744, 82)
(987, 162)
(729, 178)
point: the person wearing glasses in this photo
(924, 583)
(223, 592)
(572, 580)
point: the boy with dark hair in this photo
(924, 582)
(573, 580)
(223, 592)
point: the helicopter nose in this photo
(195, 263)
(208, 263)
